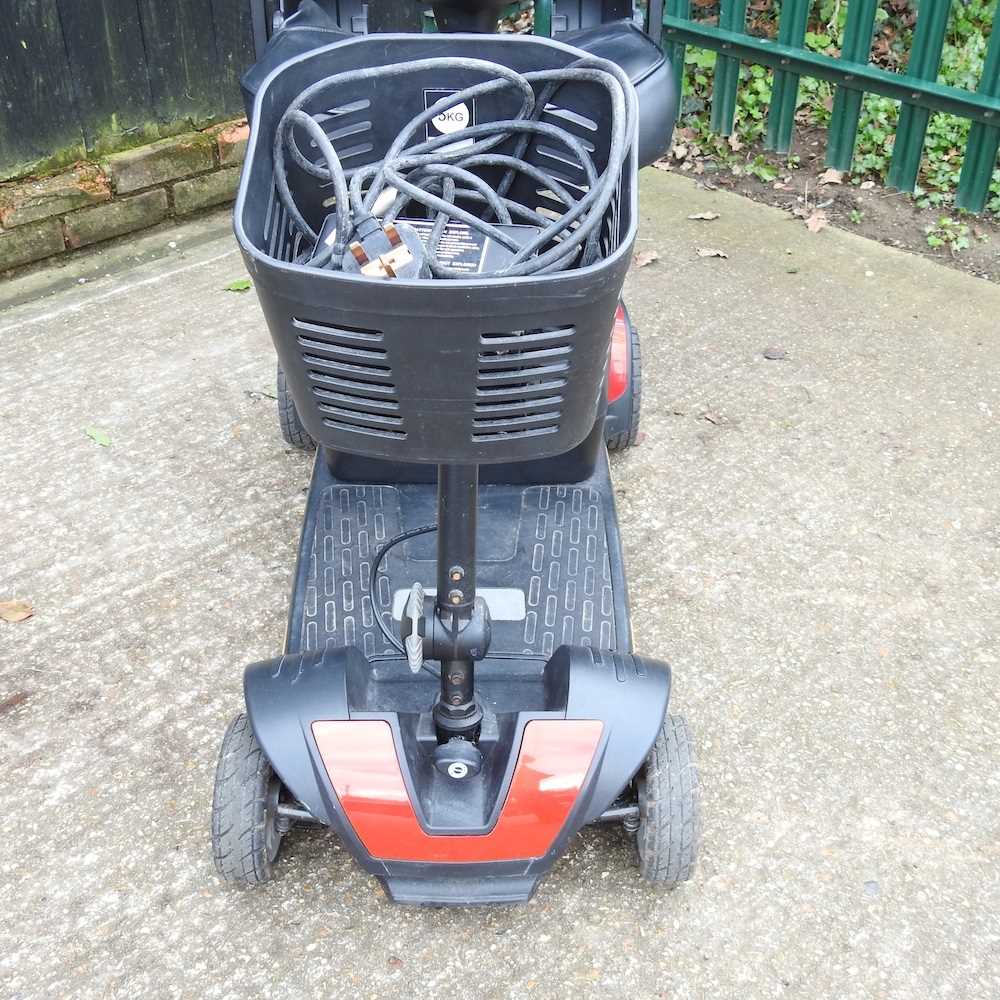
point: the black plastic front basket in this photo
(463, 371)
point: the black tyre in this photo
(288, 417)
(627, 435)
(245, 833)
(669, 815)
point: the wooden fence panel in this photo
(234, 49)
(180, 53)
(108, 66)
(38, 112)
(83, 76)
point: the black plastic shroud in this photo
(568, 657)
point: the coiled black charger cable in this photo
(435, 174)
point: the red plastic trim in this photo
(360, 758)
(618, 363)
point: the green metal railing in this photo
(853, 75)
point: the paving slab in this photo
(813, 541)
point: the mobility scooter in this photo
(458, 695)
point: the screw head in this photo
(456, 699)
(455, 596)
(456, 573)
(457, 769)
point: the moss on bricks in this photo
(42, 198)
(31, 242)
(159, 162)
(209, 189)
(102, 222)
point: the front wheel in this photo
(669, 807)
(246, 835)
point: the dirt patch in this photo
(970, 243)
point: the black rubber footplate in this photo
(547, 543)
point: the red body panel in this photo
(360, 758)
(618, 373)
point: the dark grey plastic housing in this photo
(476, 371)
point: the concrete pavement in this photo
(813, 542)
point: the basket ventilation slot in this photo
(351, 378)
(519, 383)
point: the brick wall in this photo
(41, 217)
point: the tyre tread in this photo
(627, 438)
(239, 804)
(670, 831)
(288, 417)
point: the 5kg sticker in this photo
(452, 120)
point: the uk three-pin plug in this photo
(394, 250)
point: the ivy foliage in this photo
(962, 63)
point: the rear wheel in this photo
(246, 834)
(622, 430)
(669, 807)
(288, 417)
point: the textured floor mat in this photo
(548, 541)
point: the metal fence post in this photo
(857, 47)
(543, 18)
(732, 17)
(675, 51)
(984, 140)
(928, 41)
(785, 88)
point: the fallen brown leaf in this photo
(15, 611)
(709, 252)
(831, 176)
(867, 185)
(707, 216)
(817, 221)
(662, 164)
(14, 701)
(734, 143)
(644, 258)
(680, 152)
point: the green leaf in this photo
(98, 436)
(243, 285)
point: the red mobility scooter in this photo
(438, 225)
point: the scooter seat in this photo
(649, 70)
